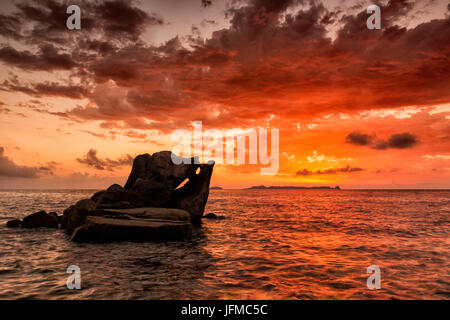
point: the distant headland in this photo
(216, 188)
(262, 187)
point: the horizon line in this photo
(246, 188)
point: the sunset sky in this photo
(354, 107)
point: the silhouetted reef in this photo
(262, 187)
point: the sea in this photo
(271, 244)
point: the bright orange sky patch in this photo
(355, 107)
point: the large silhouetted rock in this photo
(193, 196)
(152, 192)
(153, 181)
(159, 167)
(159, 201)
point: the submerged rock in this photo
(13, 223)
(213, 216)
(102, 229)
(40, 219)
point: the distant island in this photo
(216, 188)
(291, 187)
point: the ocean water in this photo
(273, 244)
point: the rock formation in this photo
(212, 215)
(144, 224)
(40, 219)
(153, 182)
(14, 223)
(151, 206)
(160, 201)
(75, 215)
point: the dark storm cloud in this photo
(8, 27)
(346, 169)
(267, 49)
(38, 21)
(47, 59)
(10, 169)
(122, 18)
(42, 24)
(396, 141)
(46, 89)
(92, 160)
(359, 139)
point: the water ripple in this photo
(273, 244)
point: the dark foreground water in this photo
(273, 244)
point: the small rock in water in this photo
(13, 223)
(40, 219)
(213, 216)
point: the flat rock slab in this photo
(147, 213)
(102, 229)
